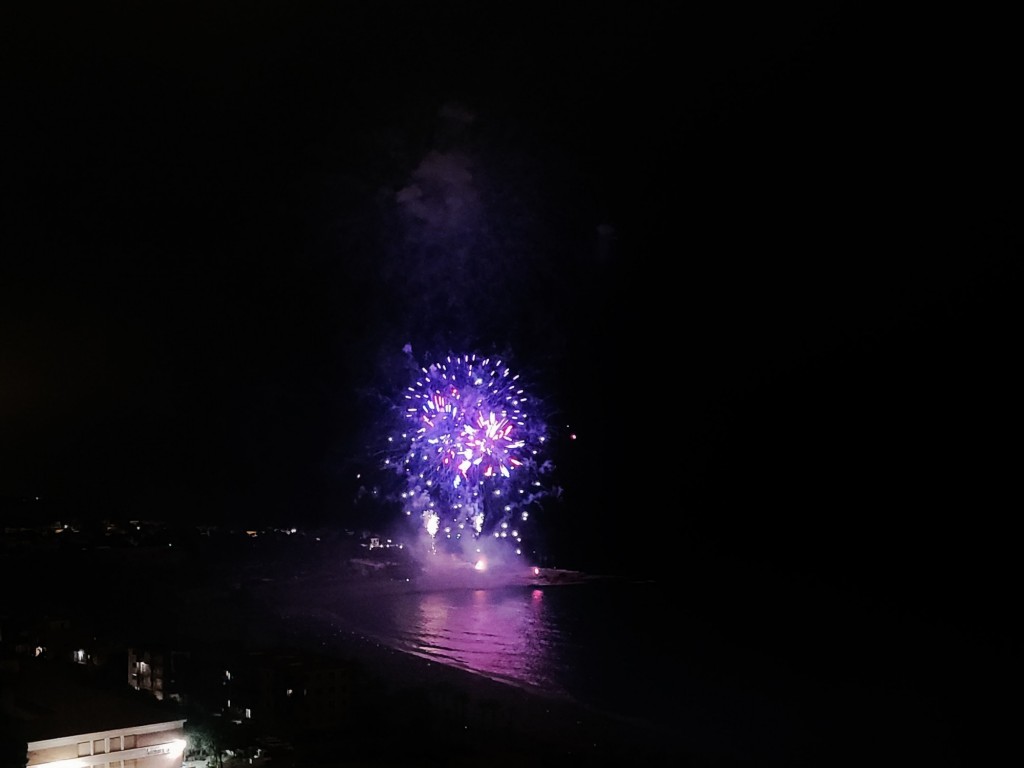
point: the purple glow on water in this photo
(496, 633)
(603, 644)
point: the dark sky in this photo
(764, 262)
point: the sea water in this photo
(625, 648)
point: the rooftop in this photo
(49, 700)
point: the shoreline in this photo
(480, 708)
(541, 724)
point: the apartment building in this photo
(66, 723)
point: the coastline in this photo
(479, 717)
(406, 709)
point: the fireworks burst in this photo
(470, 454)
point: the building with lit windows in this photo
(66, 723)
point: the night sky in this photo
(765, 263)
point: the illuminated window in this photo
(248, 714)
(129, 743)
(84, 748)
(115, 743)
(99, 747)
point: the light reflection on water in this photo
(508, 634)
(624, 649)
(601, 643)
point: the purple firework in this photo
(470, 453)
